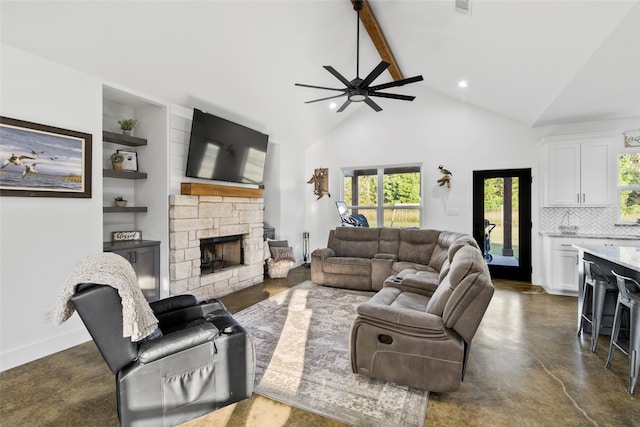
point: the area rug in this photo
(302, 359)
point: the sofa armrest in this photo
(381, 270)
(175, 342)
(426, 324)
(323, 253)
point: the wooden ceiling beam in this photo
(370, 23)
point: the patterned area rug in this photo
(302, 350)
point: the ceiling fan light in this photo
(357, 97)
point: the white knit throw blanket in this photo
(113, 270)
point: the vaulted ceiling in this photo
(537, 62)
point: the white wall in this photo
(42, 238)
(432, 130)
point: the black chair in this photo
(198, 361)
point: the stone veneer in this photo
(192, 218)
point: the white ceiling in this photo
(538, 62)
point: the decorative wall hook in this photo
(446, 178)
(320, 181)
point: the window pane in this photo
(400, 195)
(401, 218)
(367, 190)
(401, 188)
(629, 169)
(348, 198)
(370, 214)
(629, 205)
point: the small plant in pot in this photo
(116, 161)
(120, 202)
(127, 125)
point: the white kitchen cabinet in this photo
(561, 260)
(579, 171)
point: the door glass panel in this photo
(501, 221)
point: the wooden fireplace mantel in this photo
(197, 189)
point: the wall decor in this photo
(446, 177)
(122, 236)
(43, 161)
(320, 181)
(632, 138)
(130, 161)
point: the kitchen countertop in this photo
(626, 256)
(591, 235)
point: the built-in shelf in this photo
(112, 173)
(118, 138)
(131, 209)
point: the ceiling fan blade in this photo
(374, 74)
(343, 106)
(319, 87)
(397, 83)
(392, 96)
(372, 104)
(337, 75)
(324, 99)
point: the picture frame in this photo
(38, 160)
(632, 138)
(130, 162)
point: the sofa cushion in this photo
(464, 263)
(355, 242)
(348, 265)
(417, 245)
(389, 240)
(400, 266)
(393, 306)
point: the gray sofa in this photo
(433, 290)
(363, 258)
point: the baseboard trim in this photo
(33, 351)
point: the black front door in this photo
(502, 221)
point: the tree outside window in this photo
(389, 197)
(629, 186)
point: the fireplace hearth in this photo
(219, 253)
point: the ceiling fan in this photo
(358, 90)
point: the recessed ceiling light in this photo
(463, 83)
(333, 105)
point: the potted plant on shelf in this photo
(120, 202)
(127, 125)
(116, 161)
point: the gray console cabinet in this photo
(144, 256)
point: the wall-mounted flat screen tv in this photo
(221, 150)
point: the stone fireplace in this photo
(231, 229)
(219, 253)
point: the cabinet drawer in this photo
(565, 244)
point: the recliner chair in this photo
(198, 361)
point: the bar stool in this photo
(592, 296)
(628, 299)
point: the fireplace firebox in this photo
(219, 253)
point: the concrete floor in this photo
(527, 367)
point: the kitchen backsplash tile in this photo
(588, 220)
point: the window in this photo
(629, 186)
(387, 197)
